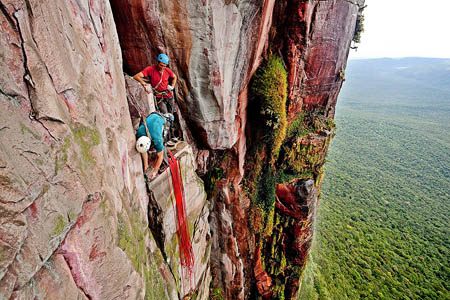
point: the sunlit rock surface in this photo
(73, 202)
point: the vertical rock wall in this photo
(314, 38)
(73, 202)
(261, 253)
(214, 45)
(164, 225)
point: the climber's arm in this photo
(174, 80)
(140, 78)
(145, 160)
(159, 159)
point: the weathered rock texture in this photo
(73, 202)
(214, 45)
(74, 207)
(314, 38)
(163, 222)
(140, 103)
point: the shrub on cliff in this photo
(268, 119)
(269, 88)
(359, 27)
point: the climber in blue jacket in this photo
(156, 126)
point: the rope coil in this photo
(184, 241)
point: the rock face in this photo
(163, 223)
(66, 144)
(214, 46)
(314, 38)
(78, 220)
(73, 206)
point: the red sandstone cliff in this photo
(76, 219)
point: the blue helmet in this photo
(163, 58)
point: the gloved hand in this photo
(170, 87)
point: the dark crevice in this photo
(8, 96)
(27, 78)
(92, 19)
(51, 119)
(99, 37)
(155, 221)
(48, 131)
(7, 16)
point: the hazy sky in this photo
(400, 28)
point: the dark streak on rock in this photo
(8, 95)
(27, 78)
(8, 17)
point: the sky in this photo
(403, 28)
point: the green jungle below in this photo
(383, 223)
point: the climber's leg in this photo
(162, 106)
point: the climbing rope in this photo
(184, 240)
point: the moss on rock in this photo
(86, 138)
(132, 231)
(269, 88)
(60, 224)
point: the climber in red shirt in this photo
(159, 76)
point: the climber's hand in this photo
(153, 174)
(147, 88)
(170, 87)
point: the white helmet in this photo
(143, 144)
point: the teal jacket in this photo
(155, 124)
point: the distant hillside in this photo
(433, 72)
(411, 79)
(383, 229)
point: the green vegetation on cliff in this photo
(383, 226)
(279, 153)
(268, 92)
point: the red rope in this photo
(184, 240)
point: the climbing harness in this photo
(184, 239)
(163, 93)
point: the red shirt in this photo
(155, 76)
